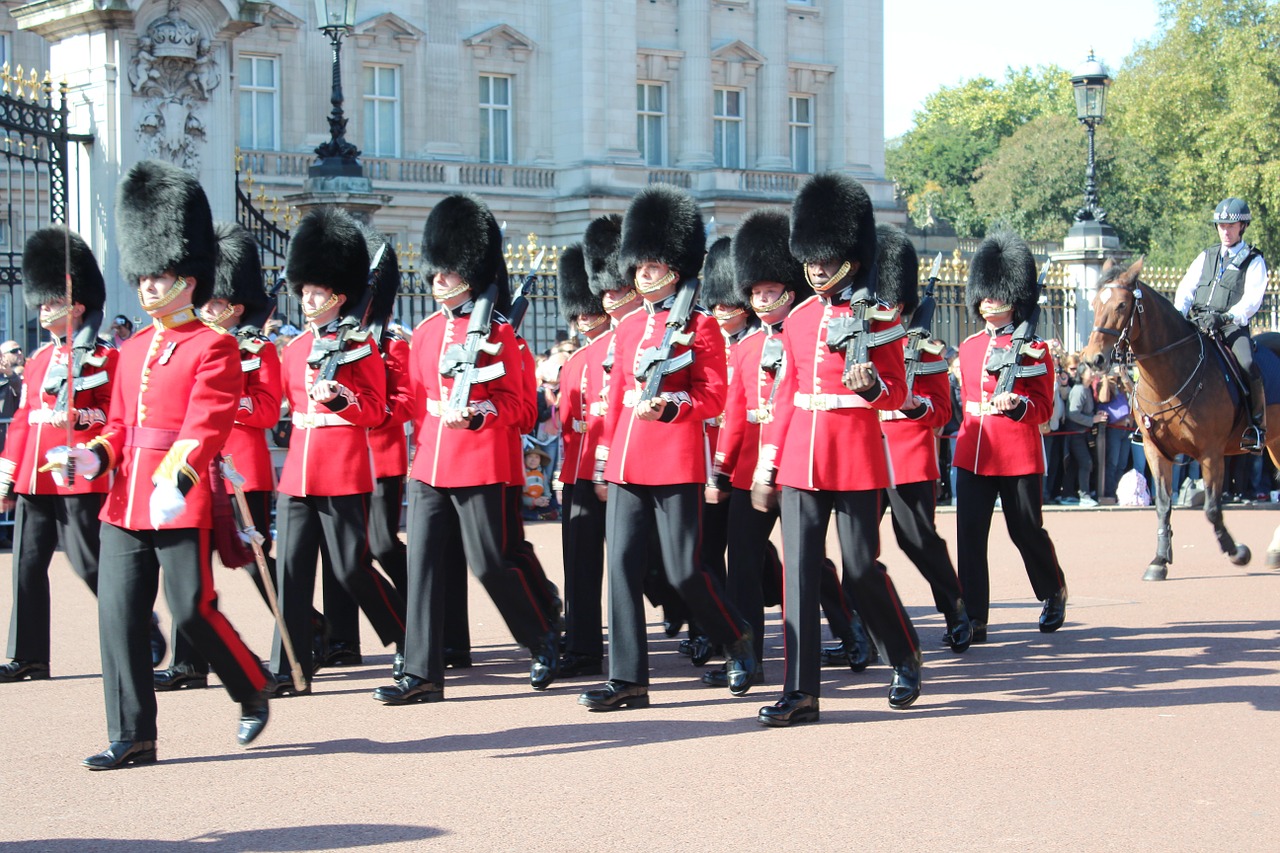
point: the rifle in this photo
(520, 304)
(461, 361)
(853, 333)
(658, 362)
(1005, 362)
(920, 335)
(328, 356)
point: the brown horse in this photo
(1182, 403)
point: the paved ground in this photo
(1145, 723)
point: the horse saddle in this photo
(1265, 348)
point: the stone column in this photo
(1087, 247)
(772, 85)
(695, 85)
(447, 98)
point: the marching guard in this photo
(48, 511)
(652, 453)
(173, 404)
(823, 446)
(335, 383)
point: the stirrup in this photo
(1254, 439)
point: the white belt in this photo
(41, 416)
(598, 409)
(436, 408)
(892, 416)
(825, 402)
(762, 415)
(579, 426)
(314, 420)
(975, 408)
(630, 398)
(714, 422)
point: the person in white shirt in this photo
(1222, 290)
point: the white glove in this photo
(85, 461)
(167, 503)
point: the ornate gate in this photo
(33, 186)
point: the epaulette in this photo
(42, 348)
(214, 326)
(976, 334)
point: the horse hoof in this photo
(1273, 559)
(1156, 573)
(1242, 556)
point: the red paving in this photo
(1145, 723)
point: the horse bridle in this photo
(1123, 335)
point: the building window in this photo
(382, 110)
(801, 126)
(259, 102)
(729, 135)
(4, 48)
(495, 119)
(651, 123)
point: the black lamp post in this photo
(338, 157)
(1090, 83)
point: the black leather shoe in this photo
(24, 670)
(794, 707)
(720, 677)
(342, 653)
(959, 630)
(905, 687)
(397, 666)
(122, 752)
(1055, 612)
(280, 685)
(672, 625)
(572, 664)
(253, 719)
(741, 665)
(701, 650)
(615, 695)
(410, 690)
(862, 652)
(159, 645)
(178, 678)
(978, 630)
(837, 655)
(457, 658)
(546, 662)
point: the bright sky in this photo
(933, 43)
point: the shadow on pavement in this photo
(278, 840)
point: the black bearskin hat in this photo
(719, 286)
(44, 270)
(461, 236)
(663, 224)
(239, 276)
(384, 278)
(600, 250)
(328, 249)
(1002, 268)
(574, 291)
(165, 224)
(832, 219)
(899, 269)
(761, 253)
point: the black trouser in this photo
(127, 587)
(805, 517)
(748, 533)
(340, 609)
(341, 521)
(457, 622)
(519, 551)
(582, 536)
(1079, 452)
(715, 537)
(631, 515)
(40, 522)
(912, 508)
(184, 655)
(1020, 502)
(475, 514)
(1238, 341)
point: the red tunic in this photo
(329, 450)
(259, 411)
(31, 434)
(750, 387)
(913, 443)
(995, 444)
(529, 392)
(185, 380)
(840, 448)
(387, 441)
(453, 458)
(582, 381)
(654, 453)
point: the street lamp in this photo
(338, 157)
(1090, 84)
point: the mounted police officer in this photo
(1222, 290)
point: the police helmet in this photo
(1231, 210)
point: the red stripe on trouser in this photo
(706, 578)
(366, 561)
(211, 614)
(513, 567)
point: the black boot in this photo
(1255, 435)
